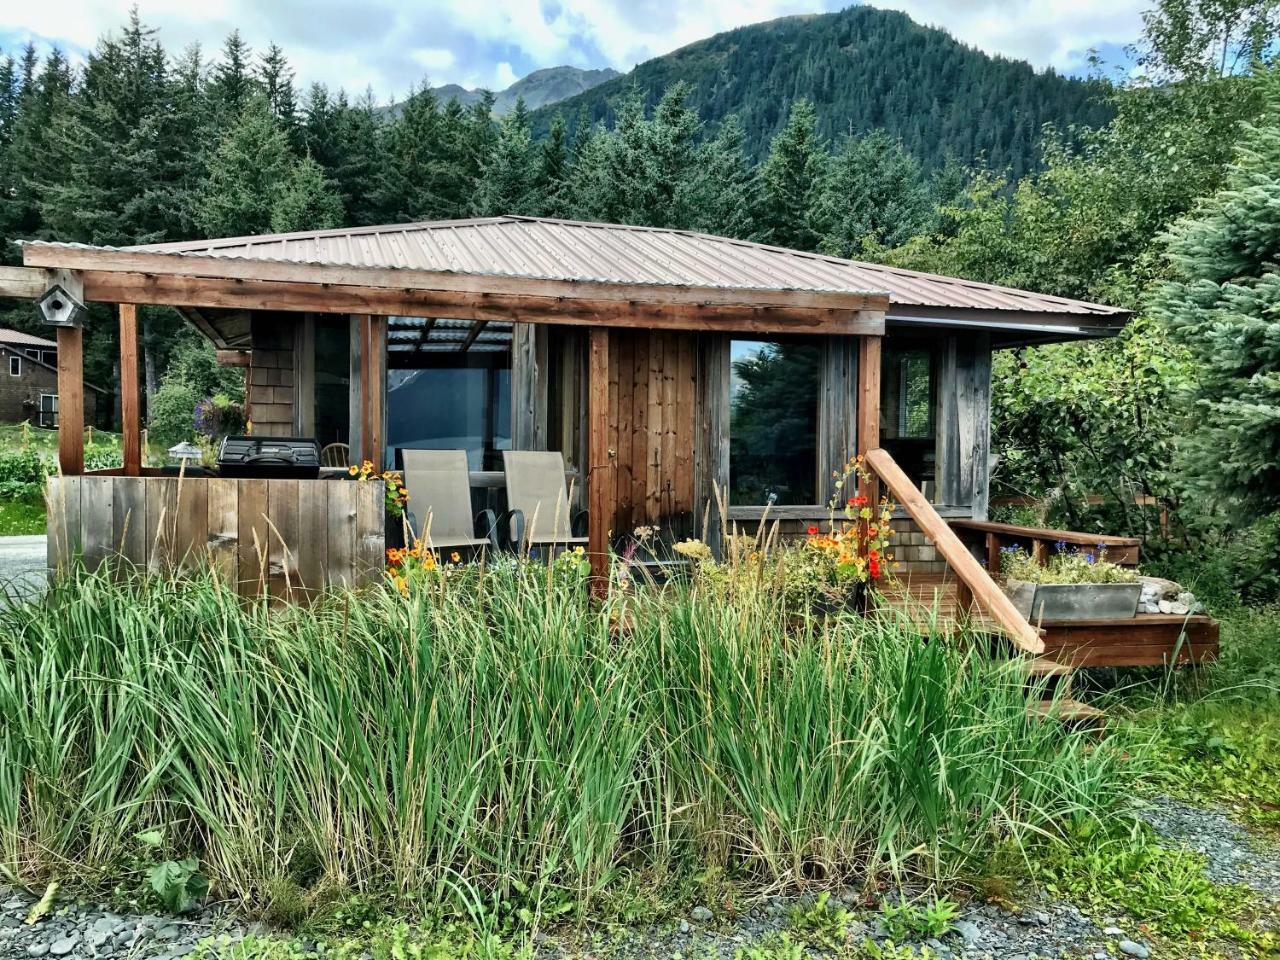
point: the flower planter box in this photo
(1074, 601)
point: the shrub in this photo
(173, 413)
(494, 730)
(219, 416)
(1064, 566)
(22, 474)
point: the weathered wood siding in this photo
(652, 425)
(963, 422)
(287, 537)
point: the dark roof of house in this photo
(18, 338)
(20, 350)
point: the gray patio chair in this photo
(440, 501)
(538, 513)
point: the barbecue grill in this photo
(271, 458)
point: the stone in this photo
(701, 914)
(684, 926)
(1166, 606)
(168, 932)
(37, 950)
(1042, 918)
(1160, 587)
(97, 938)
(969, 932)
(60, 948)
(1131, 949)
(1178, 608)
(1112, 932)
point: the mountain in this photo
(540, 88)
(863, 68)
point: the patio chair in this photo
(538, 513)
(440, 501)
(335, 455)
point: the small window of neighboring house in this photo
(15, 366)
(49, 357)
(48, 409)
(33, 354)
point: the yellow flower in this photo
(353, 469)
(579, 551)
(455, 556)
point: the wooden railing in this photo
(972, 580)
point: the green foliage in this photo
(20, 518)
(776, 946)
(22, 473)
(497, 730)
(789, 181)
(178, 884)
(1064, 566)
(863, 68)
(1223, 305)
(173, 413)
(820, 923)
(1125, 867)
(907, 920)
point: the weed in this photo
(774, 946)
(819, 922)
(909, 920)
(888, 950)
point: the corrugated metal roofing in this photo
(18, 338)
(569, 250)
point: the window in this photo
(773, 428)
(33, 354)
(15, 366)
(907, 403)
(49, 357)
(48, 409)
(332, 379)
(449, 387)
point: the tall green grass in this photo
(493, 730)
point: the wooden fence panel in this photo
(295, 537)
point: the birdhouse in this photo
(63, 303)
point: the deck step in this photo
(1057, 676)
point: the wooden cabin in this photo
(665, 365)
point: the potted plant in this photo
(397, 498)
(1070, 585)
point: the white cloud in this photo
(388, 45)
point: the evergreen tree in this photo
(507, 174)
(551, 173)
(671, 153)
(789, 180)
(872, 196)
(724, 189)
(1224, 305)
(344, 139)
(233, 84)
(276, 79)
(257, 185)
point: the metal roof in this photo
(570, 250)
(18, 338)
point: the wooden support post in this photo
(600, 486)
(373, 332)
(71, 400)
(130, 405)
(868, 434)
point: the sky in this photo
(388, 45)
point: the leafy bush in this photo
(173, 413)
(1064, 566)
(219, 416)
(499, 727)
(22, 474)
(912, 921)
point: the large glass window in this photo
(332, 379)
(449, 387)
(773, 431)
(907, 404)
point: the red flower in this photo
(813, 531)
(859, 501)
(874, 568)
(874, 555)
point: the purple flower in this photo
(1089, 558)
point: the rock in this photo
(37, 950)
(168, 933)
(1178, 608)
(1131, 949)
(1166, 606)
(969, 932)
(1162, 588)
(701, 914)
(97, 938)
(1042, 918)
(60, 948)
(684, 926)
(1112, 932)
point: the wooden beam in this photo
(868, 430)
(372, 386)
(425, 335)
(193, 266)
(235, 358)
(24, 283)
(470, 338)
(654, 307)
(600, 485)
(71, 400)
(130, 402)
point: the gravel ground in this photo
(1233, 854)
(93, 932)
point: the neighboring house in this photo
(29, 382)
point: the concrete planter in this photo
(1074, 601)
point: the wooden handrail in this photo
(968, 571)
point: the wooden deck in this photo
(1143, 641)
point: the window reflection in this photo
(773, 445)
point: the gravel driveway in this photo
(22, 564)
